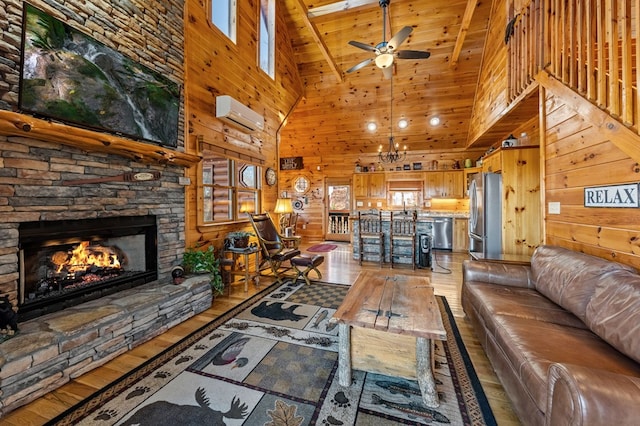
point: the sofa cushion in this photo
(614, 312)
(532, 346)
(492, 299)
(569, 278)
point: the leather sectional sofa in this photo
(562, 334)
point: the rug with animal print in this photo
(272, 361)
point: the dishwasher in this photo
(443, 233)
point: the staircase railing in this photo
(590, 45)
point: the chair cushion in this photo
(285, 254)
(307, 260)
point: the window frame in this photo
(233, 187)
(232, 6)
(269, 29)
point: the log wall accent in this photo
(216, 66)
(578, 155)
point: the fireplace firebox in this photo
(68, 262)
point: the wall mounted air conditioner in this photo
(238, 115)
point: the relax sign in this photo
(612, 196)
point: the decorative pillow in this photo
(614, 312)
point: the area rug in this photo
(272, 361)
(322, 248)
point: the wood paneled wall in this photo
(491, 93)
(217, 66)
(579, 156)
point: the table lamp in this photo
(283, 206)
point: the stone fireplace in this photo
(67, 262)
(86, 257)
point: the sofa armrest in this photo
(586, 396)
(497, 273)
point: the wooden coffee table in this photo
(386, 325)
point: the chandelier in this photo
(391, 155)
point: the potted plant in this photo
(196, 261)
(238, 239)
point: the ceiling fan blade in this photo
(360, 65)
(387, 72)
(412, 54)
(363, 46)
(397, 39)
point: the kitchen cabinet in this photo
(492, 163)
(433, 184)
(460, 234)
(453, 184)
(444, 184)
(521, 209)
(369, 185)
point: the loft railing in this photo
(589, 45)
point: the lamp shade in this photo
(384, 60)
(283, 205)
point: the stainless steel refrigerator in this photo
(485, 214)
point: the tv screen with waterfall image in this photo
(71, 77)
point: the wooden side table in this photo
(246, 254)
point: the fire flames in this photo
(84, 257)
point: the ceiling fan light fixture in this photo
(384, 60)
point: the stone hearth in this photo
(53, 349)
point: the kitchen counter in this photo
(423, 215)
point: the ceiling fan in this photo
(386, 50)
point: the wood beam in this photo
(338, 6)
(621, 136)
(462, 34)
(321, 44)
(16, 124)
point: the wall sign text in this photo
(291, 163)
(612, 196)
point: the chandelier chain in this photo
(391, 155)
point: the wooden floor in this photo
(339, 267)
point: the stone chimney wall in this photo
(150, 32)
(31, 189)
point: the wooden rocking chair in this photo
(274, 247)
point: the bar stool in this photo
(403, 230)
(370, 236)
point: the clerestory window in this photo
(266, 47)
(223, 16)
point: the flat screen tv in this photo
(69, 76)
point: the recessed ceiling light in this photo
(403, 123)
(372, 127)
(434, 121)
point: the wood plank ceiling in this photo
(337, 106)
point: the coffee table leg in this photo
(344, 354)
(425, 373)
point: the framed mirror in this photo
(301, 185)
